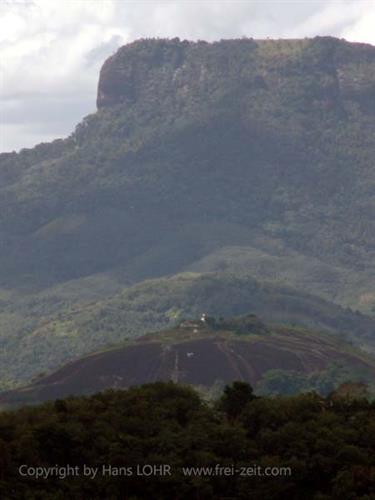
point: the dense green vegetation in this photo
(243, 157)
(289, 382)
(324, 447)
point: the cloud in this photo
(362, 29)
(51, 52)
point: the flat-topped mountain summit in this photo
(184, 71)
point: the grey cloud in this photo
(99, 53)
(39, 118)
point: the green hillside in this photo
(241, 156)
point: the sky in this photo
(51, 51)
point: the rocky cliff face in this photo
(187, 72)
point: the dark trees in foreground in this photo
(145, 442)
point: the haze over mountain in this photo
(241, 157)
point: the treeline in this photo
(304, 446)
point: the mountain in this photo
(66, 322)
(250, 157)
(209, 353)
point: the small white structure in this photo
(189, 354)
(203, 317)
(189, 324)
